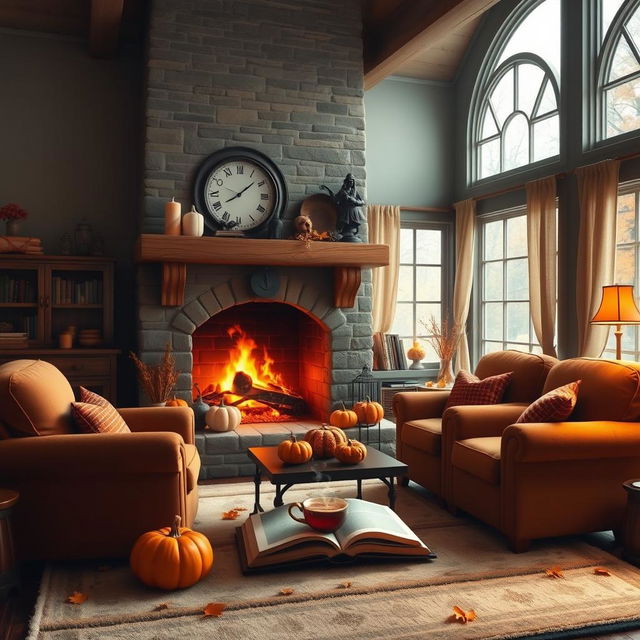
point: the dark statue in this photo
(350, 215)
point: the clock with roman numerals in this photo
(240, 191)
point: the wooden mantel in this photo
(175, 252)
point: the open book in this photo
(371, 530)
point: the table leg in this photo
(392, 493)
(359, 495)
(277, 501)
(256, 480)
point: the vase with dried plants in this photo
(157, 380)
(444, 340)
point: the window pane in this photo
(502, 98)
(488, 124)
(626, 265)
(493, 281)
(518, 279)
(628, 337)
(428, 246)
(546, 138)
(428, 283)
(403, 321)
(493, 329)
(626, 221)
(633, 26)
(489, 158)
(609, 10)
(492, 240)
(624, 61)
(548, 102)
(517, 321)
(424, 312)
(406, 246)
(490, 347)
(405, 284)
(539, 33)
(516, 237)
(516, 143)
(529, 84)
(623, 108)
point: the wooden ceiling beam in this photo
(414, 27)
(104, 28)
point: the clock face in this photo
(240, 194)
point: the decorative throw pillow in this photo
(469, 389)
(554, 406)
(95, 414)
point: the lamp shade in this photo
(617, 306)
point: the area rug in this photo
(511, 594)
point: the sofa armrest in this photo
(561, 441)
(478, 421)
(95, 455)
(177, 419)
(417, 405)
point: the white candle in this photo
(172, 214)
(193, 223)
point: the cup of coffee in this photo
(321, 513)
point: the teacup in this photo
(324, 514)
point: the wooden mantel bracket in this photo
(174, 277)
(346, 282)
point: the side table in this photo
(8, 566)
(631, 524)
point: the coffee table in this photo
(284, 476)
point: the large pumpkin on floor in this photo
(351, 452)
(223, 418)
(323, 441)
(172, 557)
(368, 411)
(294, 451)
(343, 418)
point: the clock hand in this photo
(239, 193)
(243, 190)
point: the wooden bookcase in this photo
(43, 295)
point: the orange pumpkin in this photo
(343, 418)
(323, 441)
(416, 351)
(294, 451)
(351, 452)
(172, 557)
(368, 411)
(176, 402)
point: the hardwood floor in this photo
(16, 611)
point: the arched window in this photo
(618, 69)
(515, 118)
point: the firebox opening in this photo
(270, 358)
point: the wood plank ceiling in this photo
(423, 39)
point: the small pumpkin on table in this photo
(294, 451)
(324, 440)
(351, 452)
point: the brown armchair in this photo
(551, 479)
(89, 495)
(419, 414)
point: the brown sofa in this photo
(420, 423)
(550, 479)
(89, 495)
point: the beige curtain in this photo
(384, 228)
(597, 195)
(541, 243)
(465, 242)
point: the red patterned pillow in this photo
(95, 414)
(554, 406)
(469, 389)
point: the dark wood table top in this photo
(375, 465)
(8, 498)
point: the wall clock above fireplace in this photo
(241, 192)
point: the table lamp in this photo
(617, 307)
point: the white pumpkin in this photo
(223, 418)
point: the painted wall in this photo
(410, 131)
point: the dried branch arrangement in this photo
(443, 338)
(157, 380)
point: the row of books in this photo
(388, 352)
(13, 340)
(68, 291)
(18, 290)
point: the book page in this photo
(367, 520)
(276, 529)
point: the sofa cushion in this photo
(425, 435)
(609, 389)
(530, 371)
(554, 406)
(479, 456)
(470, 390)
(35, 398)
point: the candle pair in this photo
(192, 223)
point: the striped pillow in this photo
(554, 406)
(95, 414)
(469, 389)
